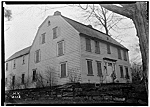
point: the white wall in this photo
(49, 49)
(99, 57)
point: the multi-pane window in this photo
(22, 79)
(88, 45)
(55, 35)
(97, 48)
(89, 66)
(60, 48)
(99, 69)
(13, 80)
(37, 56)
(6, 66)
(108, 49)
(121, 71)
(43, 38)
(63, 70)
(125, 55)
(23, 60)
(119, 54)
(127, 73)
(34, 75)
(14, 63)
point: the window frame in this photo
(22, 78)
(108, 49)
(97, 47)
(23, 60)
(63, 46)
(7, 66)
(66, 72)
(13, 80)
(127, 72)
(88, 44)
(35, 56)
(90, 70)
(119, 53)
(14, 67)
(125, 55)
(43, 38)
(55, 32)
(34, 75)
(100, 74)
(121, 72)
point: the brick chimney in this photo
(57, 13)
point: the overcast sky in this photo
(21, 30)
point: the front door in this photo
(109, 72)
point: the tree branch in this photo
(120, 10)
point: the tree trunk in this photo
(141, 25)
(138, 13)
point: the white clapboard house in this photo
(65, 51)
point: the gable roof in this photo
(19, 53)
(85, 30)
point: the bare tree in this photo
(100, 16)
(138, 12)
(40, 80)
(74, 75)
(51, 76)
(7, 14)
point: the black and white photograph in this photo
(75, 53)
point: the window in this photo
(60, 48)
(125, 55)
(108, 49)
(89, 66)
(121, 71)
(88, 45)
(127, 73)
(99, 69)
(22, 79)
(49, 23)
(14, 64)
(13, 80)
(55, 35)
(43, 38)
(97, 48)
(119, 54)
(63, 70)
(6, 66)
(34, 75)
(37, 56)
(23, 60)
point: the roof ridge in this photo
(86, 26)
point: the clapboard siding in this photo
(99, 57)
(49, 48)
(18, 71)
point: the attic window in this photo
(49, 23)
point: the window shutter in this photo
(13, 80)
(22, 78)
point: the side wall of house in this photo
(48, 50)
(17, 71)
(99, 57)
